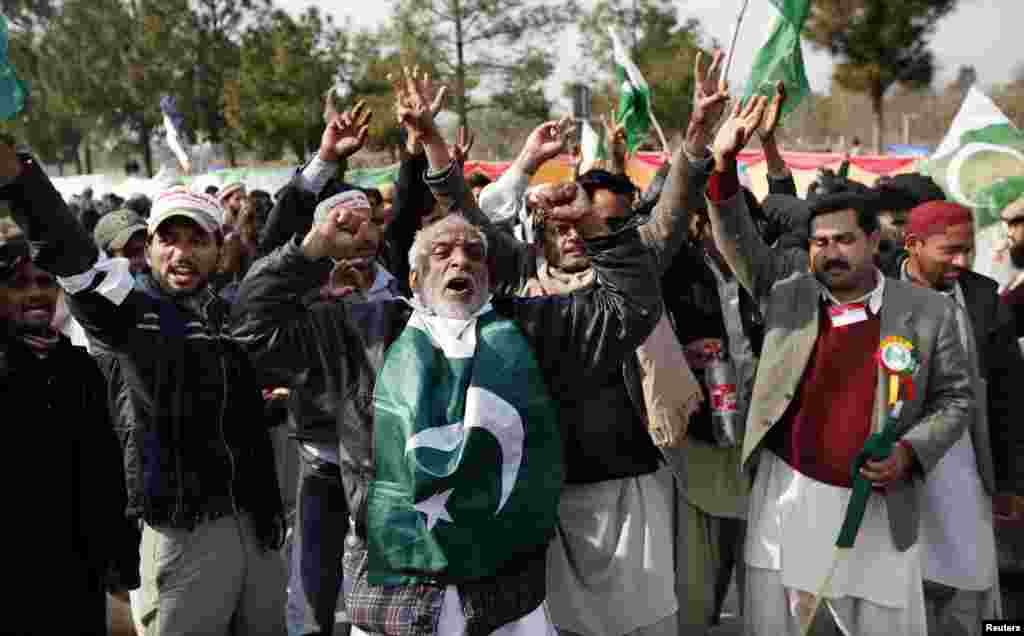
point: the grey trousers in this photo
(213, 580)
(712, 549)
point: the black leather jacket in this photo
(187, 401)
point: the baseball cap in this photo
(202, 208)
(116, 228)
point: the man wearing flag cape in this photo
(448, 405)
(862, 387)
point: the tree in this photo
(491, 43)
(878, 43)
(661, 47)
(286, 66)
(215, 61)
(109, 59)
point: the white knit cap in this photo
(351, 199)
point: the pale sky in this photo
(982, 33)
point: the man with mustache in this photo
(983, 467)
(58, 393)
(409, 346)
(833, 335)
(198, 460)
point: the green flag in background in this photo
(980, 163)
(592, 145)
(12, 90)
(780, 57)
(634, 96)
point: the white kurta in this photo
(794, 522)
(610, 567)
(956, 523)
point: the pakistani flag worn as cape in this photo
(468, 452)
(781, 57)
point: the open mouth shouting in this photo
(459, 287)
(183, 275)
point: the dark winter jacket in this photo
(188, 404)
(66, 445)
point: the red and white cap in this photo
(202, 208)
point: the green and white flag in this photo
(468, 452)
(13, 91)
(592, 146)
(634, 96)
(980, 163)
(781, 57)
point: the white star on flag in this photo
(434, 508)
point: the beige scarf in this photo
(671, 392)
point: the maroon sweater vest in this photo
(831, 415)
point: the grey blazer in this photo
(790, 300)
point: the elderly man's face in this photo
(455, 282)
(28, 299)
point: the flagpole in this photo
(657, 128)
(735, 37)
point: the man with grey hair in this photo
(430, 392)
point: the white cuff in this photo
(115, 287)
(316, 174)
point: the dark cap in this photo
(907, 191)
(117, 228)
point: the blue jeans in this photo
(318, 543)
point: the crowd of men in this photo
(506, 399)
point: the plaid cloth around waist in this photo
(415, 609)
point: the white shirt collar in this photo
(873, 299)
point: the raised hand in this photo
(463, 145)
(710, 96)
(735, 133)
(568, 204)
(417, 100)
(546, 142)
(773, 113)
(353, 130)
(10, 166)
(345, 133)
(616, 136)
(336, 236)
